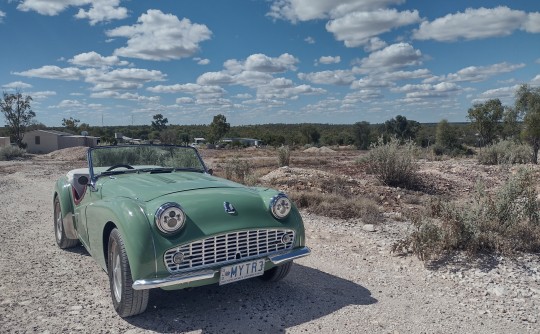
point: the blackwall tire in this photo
(127, 301)
(59, 234)
(277, 273)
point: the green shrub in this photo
(393, 163)
(505, 222)
(11, 152)
(505, 152)
(284, 156)
(238, 170)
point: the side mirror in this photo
(82, 180)
(211, 171)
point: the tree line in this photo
(490, 121)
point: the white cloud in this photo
(497, 93)
(214, 78)
(262, 63)
(536, 80)
(17, 85)
(189, 88)
(374, 44)
(477, 73)
(42, 94)
(184, 100)
(123, 79)
(125, 96)
(94, 59)
(100, 10)
(201, 61)
(478, 23)
(338, 77)
(305, 10)
(422, 91)
(361, 96)
(388, 79)
(2, 15)
(54, 72)
(282, 88)
(159, 36)
(309, 40)
(357, 28)
(330, 60)
(393, 56)
(103, 10)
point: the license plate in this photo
(240, 271)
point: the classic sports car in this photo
(155, 217)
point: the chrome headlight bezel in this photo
(165, 213)
(280, 206)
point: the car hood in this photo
(146, 187)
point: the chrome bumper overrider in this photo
(194, 276)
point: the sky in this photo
(114, 62)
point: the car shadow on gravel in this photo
(252, 305)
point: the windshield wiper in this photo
(115, 172)
(156, 170)
(188, 169)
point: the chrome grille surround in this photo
(230, 247)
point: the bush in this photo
(238, 170)
(11, 152)
(393, 163)
(504, 222)
(337, 206)
(284, 156)
(505, 152)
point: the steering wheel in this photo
(120, 166)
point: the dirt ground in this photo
(351, 283)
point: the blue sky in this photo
(266, 61)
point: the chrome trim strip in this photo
(194, 276)
(69, 227)
(144, 284)
(294, 254)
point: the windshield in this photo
(141, 158)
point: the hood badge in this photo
(229, 208)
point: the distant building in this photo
(198, 141)
(45, 141)
(4, 141)
(243, 141)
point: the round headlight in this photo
(170, 218)
(280, 206)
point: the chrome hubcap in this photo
(117, 276)
(59, 225)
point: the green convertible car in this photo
(153, 216)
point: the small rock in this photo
(369, 228)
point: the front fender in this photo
(62, 190)
(128, 217)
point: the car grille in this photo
(229, 247)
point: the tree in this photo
(71, 124)
(18, 113)
(218, 128)
(362, 132)
(528, 105)
(159, 123)
(311, 134)
(183, 138)
(486, 119)
(511, 123)
(402, 128)
(168, 136)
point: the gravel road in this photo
(350, 284)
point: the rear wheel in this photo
(277, 273)
(126, 300)
(60, 235)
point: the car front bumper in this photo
(205, 274)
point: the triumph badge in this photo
(229, 208)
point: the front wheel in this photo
(126, 300)
(277, 273)
(60, 235)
